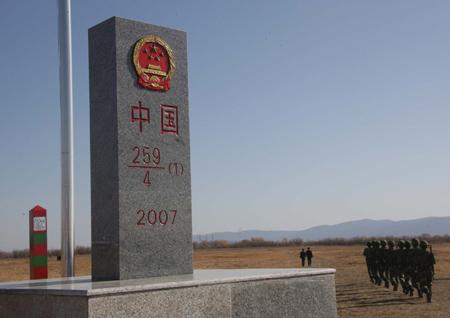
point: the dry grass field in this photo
(356, 296)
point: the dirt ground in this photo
(356, 296)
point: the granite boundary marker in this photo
(140, 157)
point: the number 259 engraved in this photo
(143, 153)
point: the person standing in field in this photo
(303, 256)
(309, 256)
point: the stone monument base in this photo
(214, 293)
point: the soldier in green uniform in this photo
(401, 262)
(376, 262)
(369, 259)
(415, 260)
(383, 268)
(392, 265)
(407, 268)
(426, 269)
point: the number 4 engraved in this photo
(147, 179)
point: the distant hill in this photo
(366, 227)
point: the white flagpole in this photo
(65, 95)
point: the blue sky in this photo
(302, 112)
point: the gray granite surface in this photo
(205, 293)
(310, 297)
(134, 164)
(204, 301)
(84, 285)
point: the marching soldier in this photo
(382, 254)
(402, 265)
(407, 269)
(376, 262)
(392, 265)
(415, 259)
(426, 270)
(369, 260)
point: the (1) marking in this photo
(176, 169)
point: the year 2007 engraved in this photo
(154, 217)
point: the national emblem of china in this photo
(154, 63)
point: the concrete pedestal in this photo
(271, 293)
